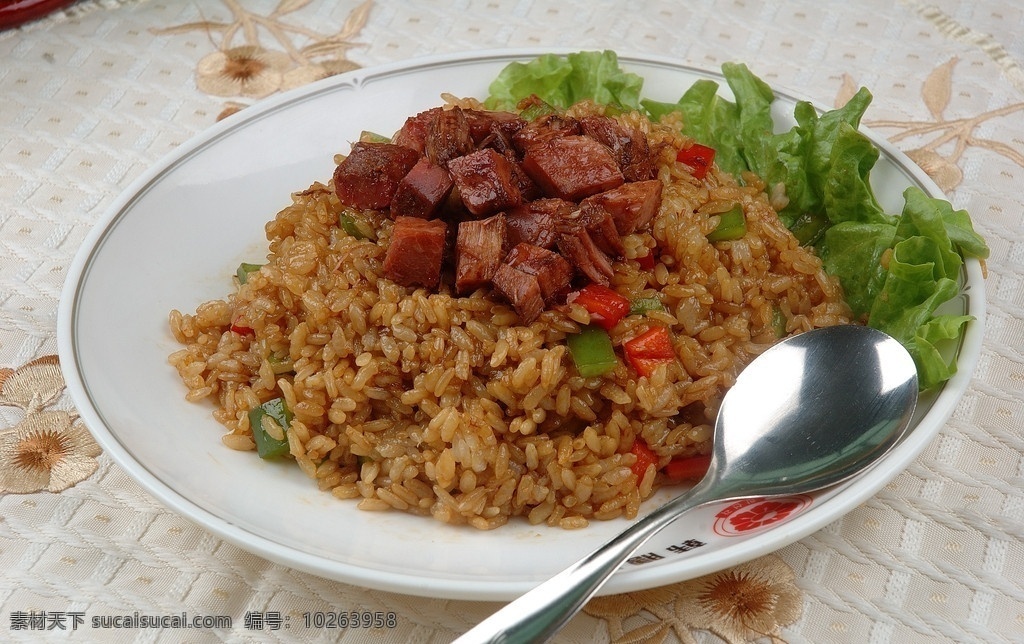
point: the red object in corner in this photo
(19, 12)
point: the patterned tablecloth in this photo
(91, 96)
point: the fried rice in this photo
(448, 407)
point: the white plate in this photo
(173, 240)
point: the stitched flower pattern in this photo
(749, 601)
(252, 69)
(940, 143)
(48, 449)
(755, 599)
(242, 71)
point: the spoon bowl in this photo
(813, 411)
(810, 412)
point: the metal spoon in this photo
(808, 413)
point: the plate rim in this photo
(854, 494)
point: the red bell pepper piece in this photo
(649, 349)
(644, 457)
(240, 329)
(606, 307)
(698, 157)
(646, 261)
(688, 467)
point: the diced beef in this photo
(528, 188)
(631, 205)
(552, 271)
(448, 137)
(501, 142)
(369, 175)
(557, 208)
(526, 225)
(536, 222)
(479, 249)
(606, 130)
(522, 290)
(416, 251)
(486, 182)
(545, 128)
(421, 191)
(414, 132)
(630, 148)
(493, 129)
(581, 251)
(600, 225)
(572, 167)
(526, 206)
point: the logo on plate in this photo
(750, 515)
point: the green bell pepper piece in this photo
(266, 445)
(592, 351)
(731, 225)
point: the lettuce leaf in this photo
(896, 271)
(806, 156)
(920, 276)
(909, 276)
(824, 132)
(755, 127)
(846, 188)
(853, 252)
(562, 81)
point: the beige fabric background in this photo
(92, 96)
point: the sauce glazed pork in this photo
(485, 199)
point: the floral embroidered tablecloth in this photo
(94, 94)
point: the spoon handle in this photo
(544, 610)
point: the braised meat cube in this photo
(479, 249)
(528, 188)
(493, 129)
(499, 141)
(556, 208)
(545, 128)
(448, 137)
(630, 148)
(572, 167)
(581, 251)
(486, 182)
(422, 191)
(522, 203)
(552, 271)
(529, 226)
(416, 251)
(536, 222)
(369, 175)
(522, 290)
(599, 224)
(414, 132)
(631, 205)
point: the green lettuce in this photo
(846, 193)
(853, 251)
(754, 124)
(562, 81)
(930, 243)
(896, 270)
